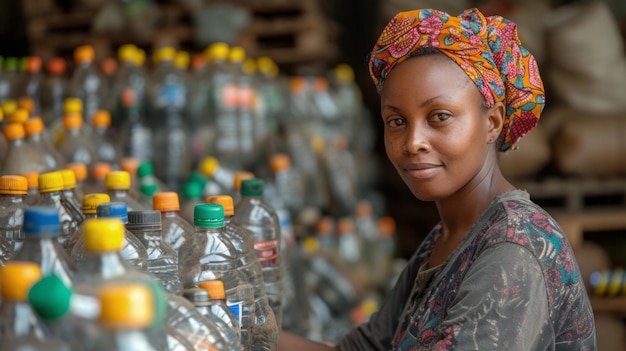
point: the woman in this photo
(496, 273)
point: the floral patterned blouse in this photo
(512, 284)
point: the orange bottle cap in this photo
(126, 306)
(33, 126)
(325, 226)
(215, 288)
(166, 201)
(225, 200)
(14, 131)
(241, 176)
(72, 121)
(56, 66)
(19, 116)
(16, 278)
(32, 179)
(108, 66)
(80, 170)
(280, 162)
(129, 164)
(33, 64)
(364, 209)
(297, 84)
(26, 103)
(13, 185)
(84, 53)
(386, 226)
(101, 119)
(345, 226)
(320, 84)
(99, 170)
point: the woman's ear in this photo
(495, 120)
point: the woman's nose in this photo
(416, 141)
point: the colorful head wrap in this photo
(486, 48)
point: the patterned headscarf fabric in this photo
(486, 48)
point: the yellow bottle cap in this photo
(26, 103)
(208, 166)
(216, 51)
(84, 53)
(32, 179)
(166, 201)
(225, 200)
(343, 73)
(69, 178)
(310, 244)
(215, 288)
(33, 126)
(101, 119)
(249, 67)
(126, 53)
(140, 57)
(1, 115)
(16, 278)
(72, 105)
(9, 106)
(51, 181)
(72, 121)
(91, 202)
(241, 176)
(103, 234)
(19, 116)
(13, 131)
(80, 170)
(280, 162)
(126, 306)
(237, 54)
(265, 63)
(13, 185)
(117, 180)
(99, 170)
(166, 53)
(181, 60)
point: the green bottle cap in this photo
(208, 216)
(197, 177)
(252, 187)
(145, 169)
(191, 190)
(148, 189)
(50, 298)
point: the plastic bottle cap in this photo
(140, 57)
(181, 60)
(84, 53)
(208, 166)
(237, 54)
(345, 226)
(249, 67)
(148, 189)
(117, 210)
(101, 119)
(197, 62)
(340, 142)
(1, 115)
(386, 226)
(16, 278)
(129, 164)
(108, 66)
(13, 185)
(11, 64)
(164, 54)
(72, 105)
(215, 288)
(69, 178)
(166, 201)
(92, 201)
(280, 162)
(41, 221)
(145, 169)
(50, 298)
(148, 219)
(198, 178)
(51, 181)
(117, 180)
(216, 51)
(297, 85)
(208, 216)
(265, 63)
(310, 244)
(126, 306)
(343, 73)
(197, 296)
(252, 187)
(127, 97)
(325, 226)
(33, 179)
(225, 200)
(80, 170)
(33, 126)
(240, 176)
(103, 234)
(56, 66)
(126, 53)
(99, 170)
(72, 121)
(9, 106)
(13, 131)
(364, 209)
(320, 84)
(26, 103)
(191, 190)
(33, 64)
(19, 116)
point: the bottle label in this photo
(267, 252)
(236, 309)
(229, 95)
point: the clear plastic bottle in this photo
(145, 175)
(117, 184)
(75, 146)
(20, 327)
(41, 230)
(95, 183)
(105, 151)
(162, 259)
(245, 99)
(200, 121)
(87, 83)
(32, 197)
(89, 206)
(168, 94)
(209, 187)
(213, 256)
(239, 177)
(9, 78)
(50, 189)
(265, 333)
(130, 75)
(341, 176)
(70, 191)
(34, 129)
(223, 176)
(260, 220)
(54, 91)
(132, 249)
(175, 231)
(80, 172)
(30, 83)
(21, 157)
(108, 69)
(349, 243)
(136, 137)
(192, 195)
(215, 310)
(13, 190)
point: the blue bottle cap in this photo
(113, 209)
(41, 221)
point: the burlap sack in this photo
(532, 155)
(587, 68)
(592, 146)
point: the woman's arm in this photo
(289, 341)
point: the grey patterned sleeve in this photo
(502, 304)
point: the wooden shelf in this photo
(609, 305)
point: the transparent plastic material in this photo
(175, 230)
(90, 205)
(21, 157)
(30, 83)
(131, 74)
(54, 91)
(70, 217)
(12, 206)
(76, 147)
(103, 146)
(35, 137)
(87, 83)
(136, 136)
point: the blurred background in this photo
(573, 164)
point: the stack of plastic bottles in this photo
(235, 200)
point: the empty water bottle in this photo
(117, 184)
(90, 205)
(21, 156)
(175, 230)
(75, 146)
(34, 128)
(103, 147)
(50, 189)
(70, 191)
(32, 198)
(13, 190)
(86, 83)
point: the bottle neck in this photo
(108, 264)
(148, 235)
(11, 199)
(24, 322)
(50, 198)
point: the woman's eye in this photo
(396, 122)
(440, 117)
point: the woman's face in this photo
(437, 133)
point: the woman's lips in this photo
(422, 170)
